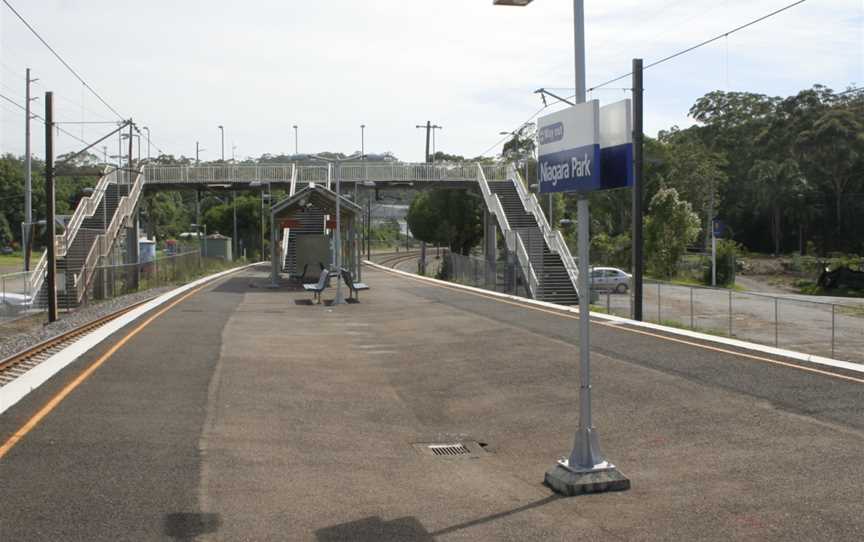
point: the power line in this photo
(60, 58)
(34, 115)
(666, 59)
(702, 44)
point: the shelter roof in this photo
(319, 197)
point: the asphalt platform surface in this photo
(245, 413)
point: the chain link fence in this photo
(502, 276)
(814, 327)
(108, 281)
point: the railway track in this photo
(394, 260)
(18, 364)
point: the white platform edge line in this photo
(744, 345)
(35, 377)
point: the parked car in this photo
(610, 278)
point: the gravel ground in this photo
(17, 335)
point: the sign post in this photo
(583, 149)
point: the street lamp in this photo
(585, 471)
(126, 136)
(370, 185)
(148, 142)
(296, 144)
(234, 240)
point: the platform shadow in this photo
(188, 526)
(373, 528)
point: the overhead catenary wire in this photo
(703, 43)
(36, 116)
(661, 61)
(62, 61)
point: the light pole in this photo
(148, 142)
(585, 471)
(370, 185)
(434, 127)
(296, 141)
(234, 243)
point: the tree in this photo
(670, 226)
(835, 148)
(446, 216)
(778, 186)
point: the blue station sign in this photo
(586, 148)
(569, 151)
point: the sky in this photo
(259, 67)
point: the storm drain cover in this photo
(449, 449)
(469, 449)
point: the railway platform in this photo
(248, 413)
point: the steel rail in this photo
(31, 357)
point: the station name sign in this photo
(586, 148)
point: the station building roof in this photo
(317, 196)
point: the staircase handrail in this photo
(554, 239)
(512, 238)
(293, 180)
(86, 208)
(104, 241)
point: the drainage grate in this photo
(449, 449)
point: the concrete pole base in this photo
(570, 483)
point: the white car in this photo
(610, 278)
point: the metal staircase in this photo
(89, 236)
(311, 222)
(544, 257)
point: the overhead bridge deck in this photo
(245, 413)
(284, 175)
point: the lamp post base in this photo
(569, 481)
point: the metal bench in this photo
(353, 287)
(318, 287)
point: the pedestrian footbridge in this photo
(110, 215)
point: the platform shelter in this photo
(304, 233)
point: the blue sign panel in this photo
(718, 227)
(571, 170)
(616, 166)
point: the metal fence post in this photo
(730, 312)
(659, 320)
(608, 303)
(833, 313)
(692, 324)
(776, 322)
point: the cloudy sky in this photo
(258, 67)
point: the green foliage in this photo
(670, 226)
(727, 258)
(448, 217)
(613, 251)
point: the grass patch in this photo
(12, 260)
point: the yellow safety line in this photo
(70, 387)
(639, 331)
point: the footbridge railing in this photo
(511, 237)
(105, 242)
(306, 173)
(554, 239)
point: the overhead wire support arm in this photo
(542, 92)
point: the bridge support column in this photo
(132, 257)
(490, 249)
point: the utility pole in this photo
(198, 150)
(638, 137)
(148, 142)
(296, 141)
(26, 235)
(434, 127)
(428, 128)
(51, 271)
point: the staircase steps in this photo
(554, 284)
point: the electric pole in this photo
(28, 176)
(434, 127)
(50, 241)
(428, 127)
